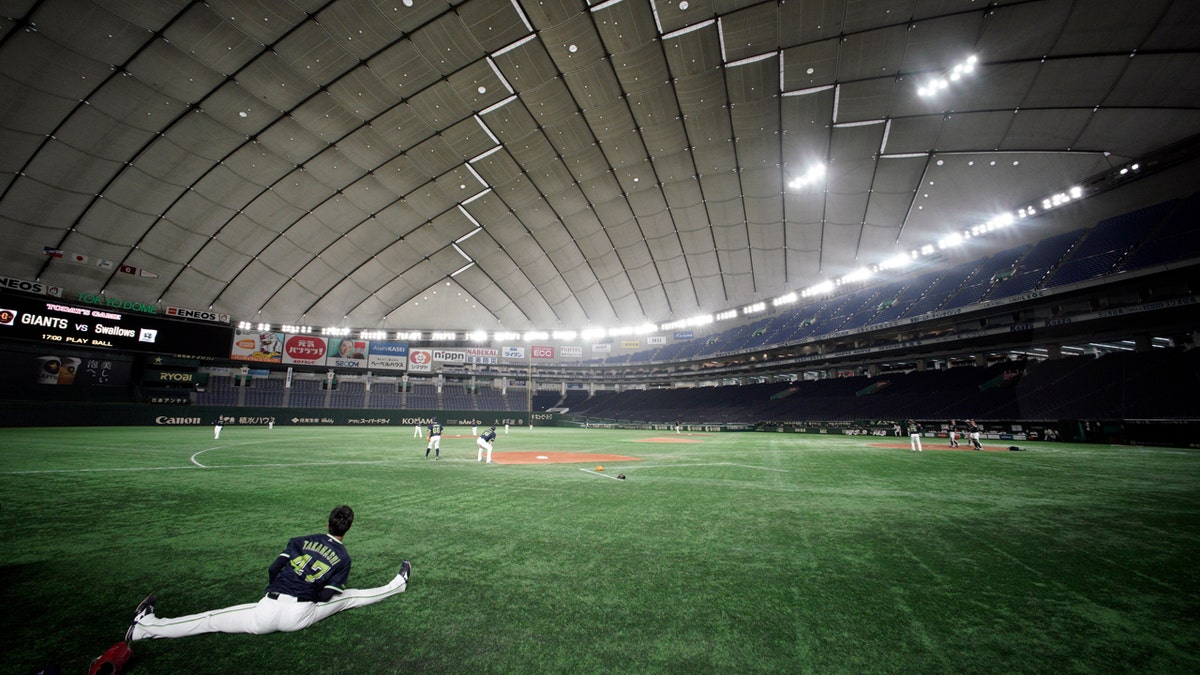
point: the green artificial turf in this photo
(730, 553)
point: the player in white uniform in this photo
(484, 442)
(307, 584)
(914, 436)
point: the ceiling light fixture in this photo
(815, 173)
(954, 74)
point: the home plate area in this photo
(544, 457)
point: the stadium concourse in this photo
(630, 212)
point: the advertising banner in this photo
(420, 361)
(201, 314)
(656, 340)
(483, 355)
(602, 348)
(631, 344)
(542, 352)
(570, 351)
(347, 353)
(514, 352)
(252, 345)
(305, 350)
(388, 355)
(81, 371)
(449, 355)
(684, 334)
(30, 286)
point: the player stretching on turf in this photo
(485, 441)
(435, 440)
(307, 584)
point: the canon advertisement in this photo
(58, 323)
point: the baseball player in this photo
(417, 431)
(485, 443)
(953, 434)
(217, 429)
(307, 584)
(435, 440)
(914, 436)
(973, 434)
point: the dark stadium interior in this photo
(636, 212)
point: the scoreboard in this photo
(52, 321)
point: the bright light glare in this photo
(950, 240)
(898, 261)
(861, 274)
(785, 299)
(565, 335)
(953, 74)
(815, 173)
(478, 336)
(817, 289)
(593, 333)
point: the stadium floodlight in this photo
(898, 261)
(505, 336)
(592, 333)
(953, 74)
(815, 173)
(532, 335)
(620, 332)
(819, 289)
(477, 336)
(564, 335)
(445, 336)
(785, 299)
(860, 274)
(755, 308)
(950, 240)
(265, 327)
(727, 314)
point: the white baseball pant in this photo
(484, 445)
(285, 613)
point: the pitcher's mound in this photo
(544, 457)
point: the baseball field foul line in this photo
(597, 473)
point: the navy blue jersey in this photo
(314, 562)
(435, 429)
(489, 435)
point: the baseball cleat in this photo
(405, 570)
(145, 608)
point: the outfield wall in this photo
(1180, 433)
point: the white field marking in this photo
(597, 473)
(677, 466)
(187, 467)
